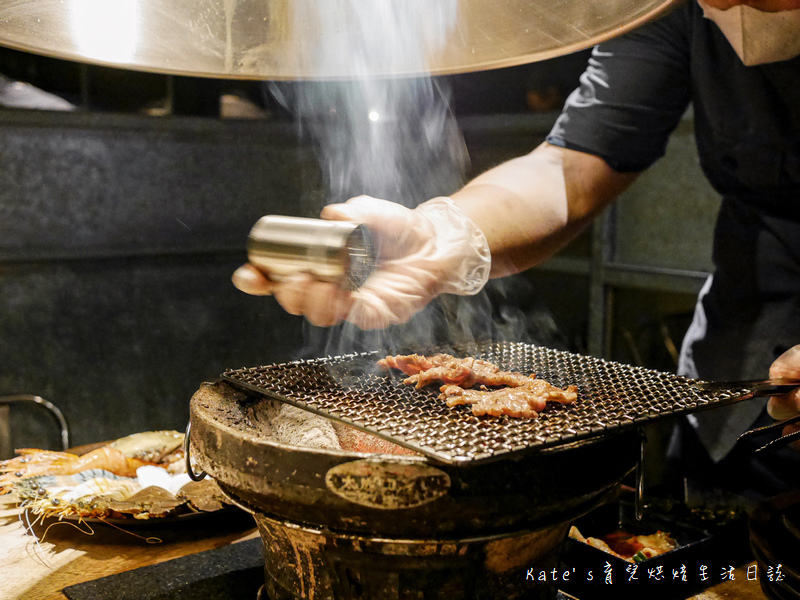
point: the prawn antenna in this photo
(149, 539)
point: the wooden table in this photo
(39, 570)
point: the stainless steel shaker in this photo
(334, 251)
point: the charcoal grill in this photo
(612, 397)
(486, 499)
(349, 525)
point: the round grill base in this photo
(306, 563)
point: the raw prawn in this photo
(89, 499)
(122, 457)
(133, 476)
(39, 485)
(107, 458)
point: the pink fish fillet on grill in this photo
(518, 395)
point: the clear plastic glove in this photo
(422, 253)
(786, 406)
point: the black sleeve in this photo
(631, 96)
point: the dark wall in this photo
(118, 237)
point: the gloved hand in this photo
(431, 250)
(786, 406)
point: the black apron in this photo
(747, 126)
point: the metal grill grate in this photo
(354, 390)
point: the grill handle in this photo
(755, 387)
(187, 445)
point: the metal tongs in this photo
(756, 388)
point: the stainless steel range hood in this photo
(281, 39)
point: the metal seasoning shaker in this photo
(334, 251)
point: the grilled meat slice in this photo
(463, 372)
(410, 364)
(524, 401)
(518, 395)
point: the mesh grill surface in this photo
(354, 390)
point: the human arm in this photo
(527, 209)
(532, 206)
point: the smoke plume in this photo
(392, 137)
